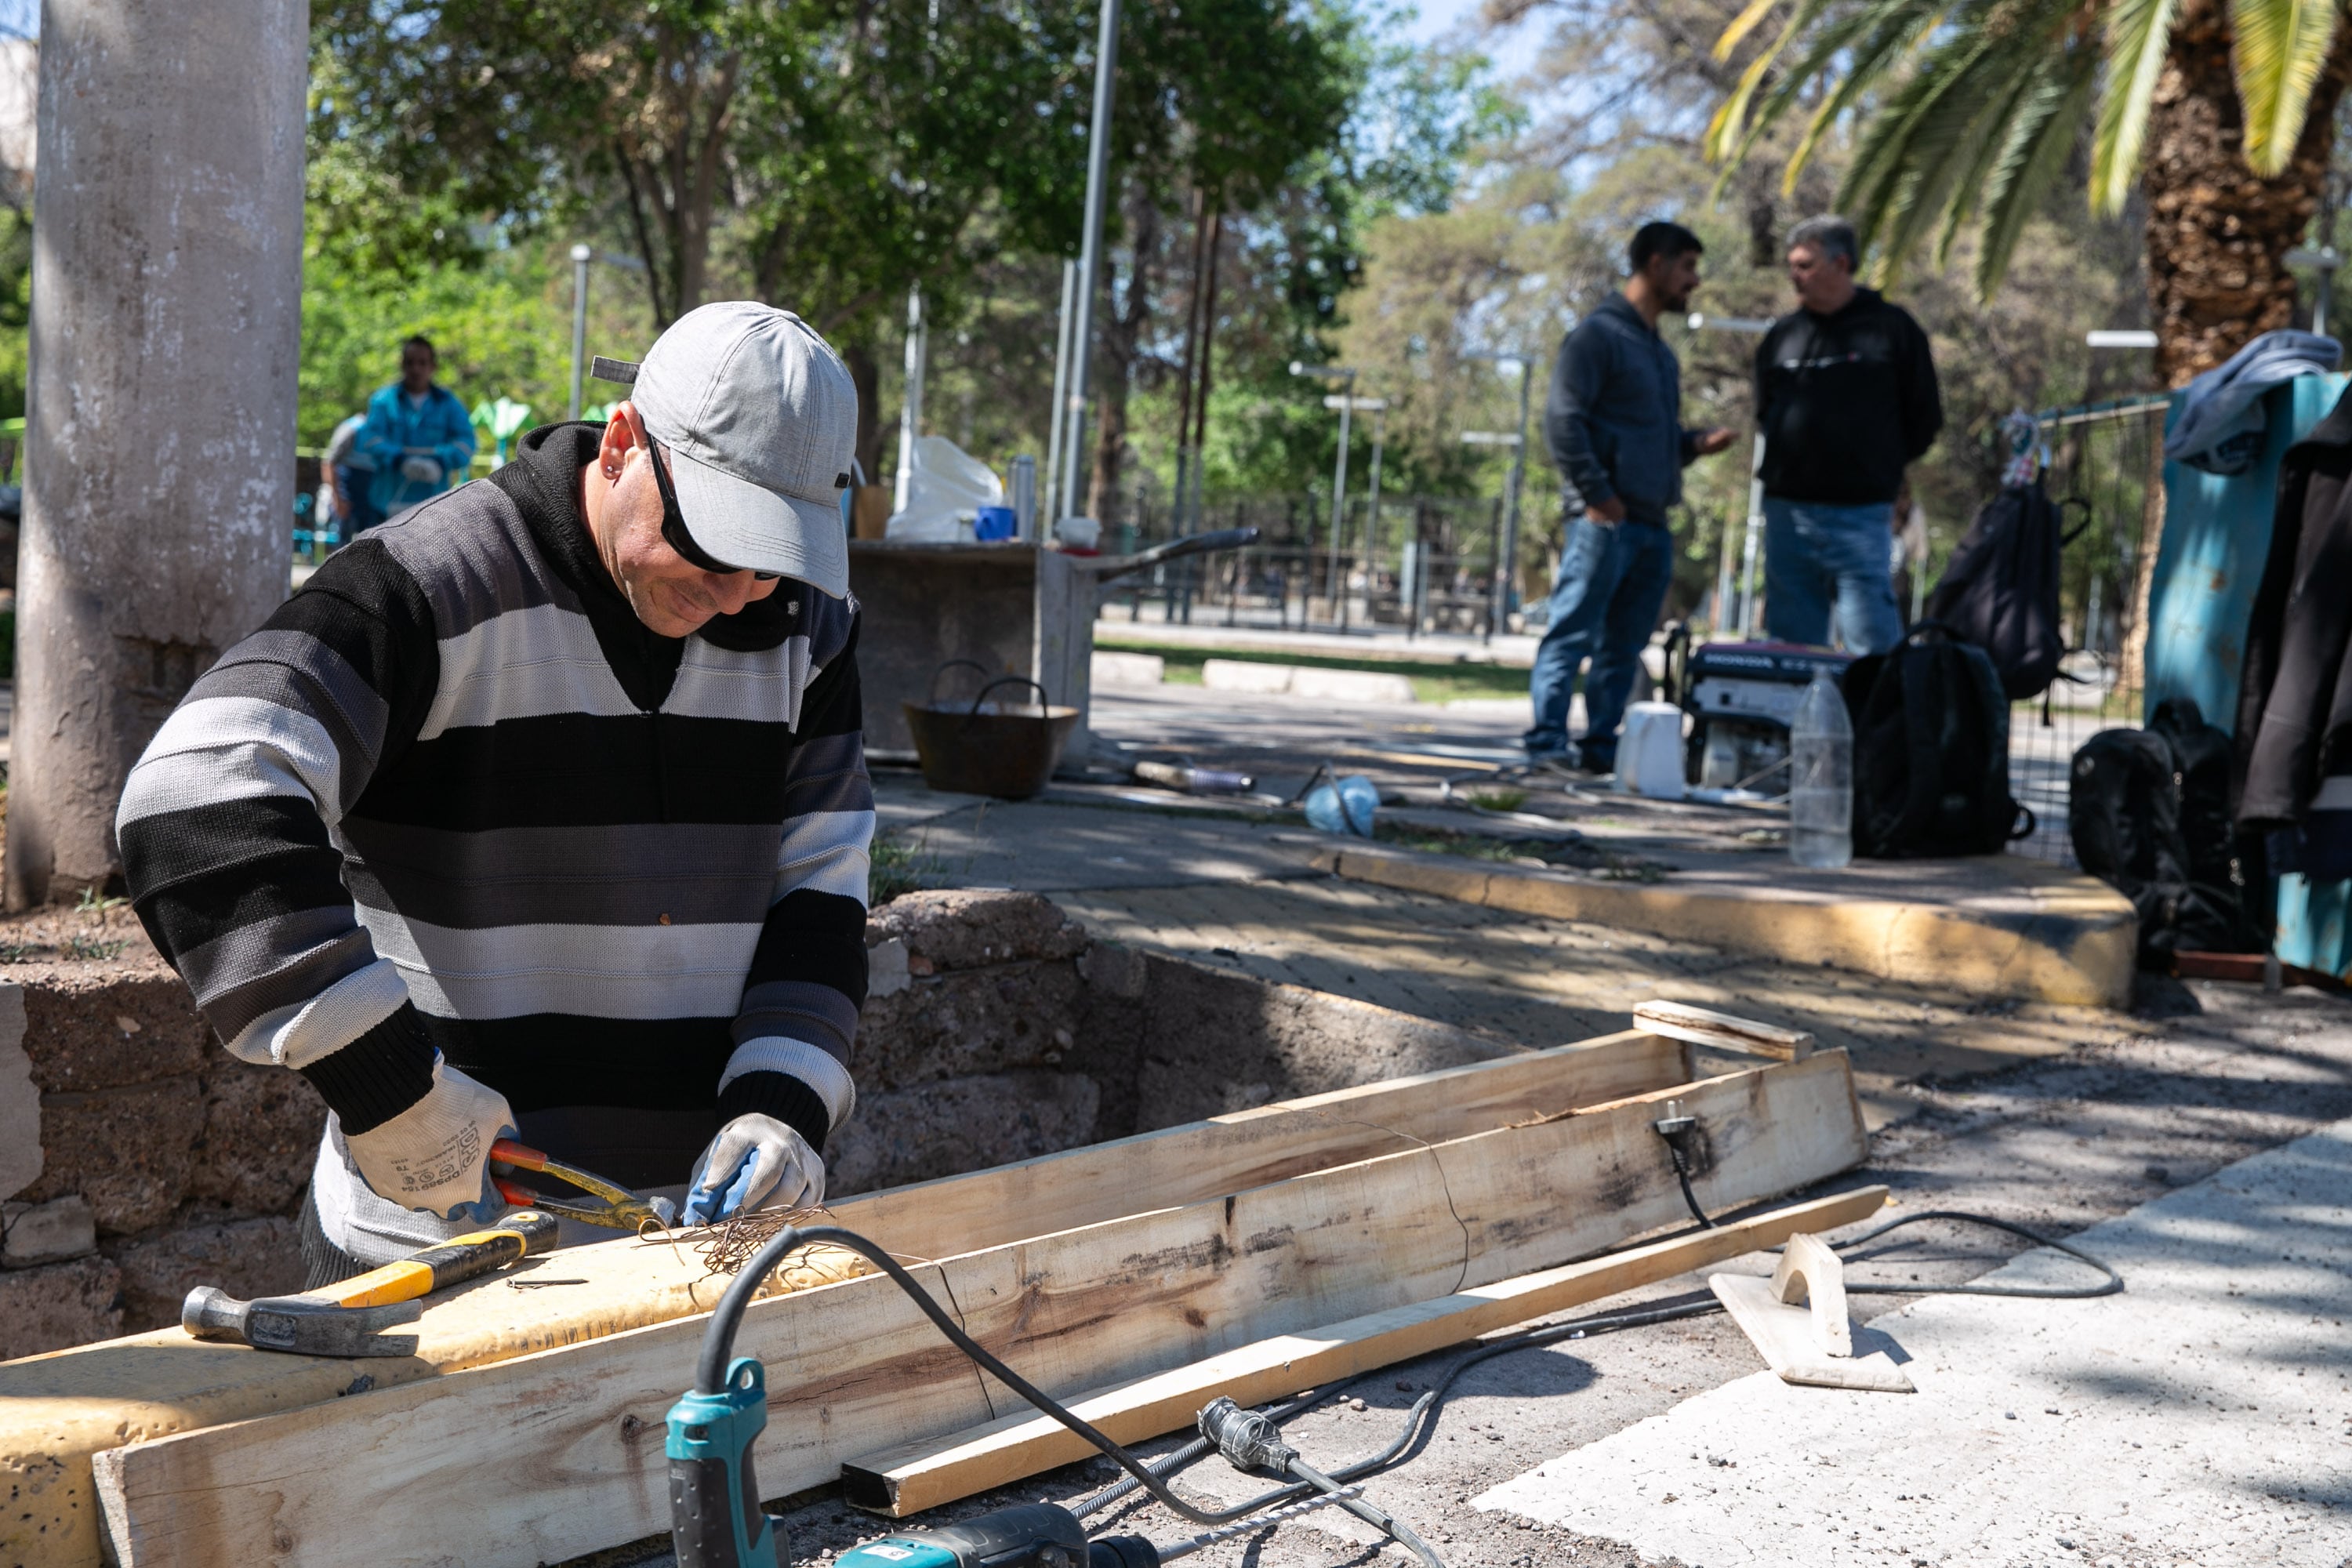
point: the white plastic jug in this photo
(1650, 753)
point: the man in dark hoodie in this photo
(543, 810)
(1845, 399)
(1615, 425)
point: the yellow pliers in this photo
(621, 1210)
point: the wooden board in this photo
(56, 1410)
(549, 1455)
(1706, 1027)
(920, 1476)
(1788, 1340)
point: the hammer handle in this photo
(459, 1258)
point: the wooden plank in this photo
(910, 1478)
(560, 1453)
(56, 1410)
(1786, 1339)
(1706, 1027)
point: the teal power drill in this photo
(715, 1520)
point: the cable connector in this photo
(1682, 1135)
(1248, 1440)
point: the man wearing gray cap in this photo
(543, 810)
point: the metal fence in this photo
(1425, 563)
(2105, 466)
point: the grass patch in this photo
(1498, 799)
(1433, 680)
(899, 865)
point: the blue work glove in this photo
(756, 1161)
(435, 1155)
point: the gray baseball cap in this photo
(760, 419)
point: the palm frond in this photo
(1968, 190)
(1728, 135)
(2281, 47)
(2138, 34)
(2034, 153)
(1894, 30)
(1741, 26)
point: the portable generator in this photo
(1741, 696)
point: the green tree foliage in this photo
(1540, 238)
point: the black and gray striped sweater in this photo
(455, 795)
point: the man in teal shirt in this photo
(417, 435)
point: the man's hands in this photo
(435, 1155)
(1608, 513)
(421, 469)
(755, 1162)
(1716, 440)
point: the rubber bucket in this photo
(1005, 750)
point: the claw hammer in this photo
(347, 1320)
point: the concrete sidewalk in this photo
(2198, 1418)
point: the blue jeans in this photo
(1605, 600)
(1817, 557)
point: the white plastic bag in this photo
(944, 495)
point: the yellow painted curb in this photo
(1999, 925)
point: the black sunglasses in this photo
(675, 535)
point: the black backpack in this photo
(2148, 811)
(1931, 751)
(2000, 590)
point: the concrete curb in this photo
(1999, 925)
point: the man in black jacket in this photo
(1845, 399)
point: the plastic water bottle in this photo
(1820, 784)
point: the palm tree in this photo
(1972, 110)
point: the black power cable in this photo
(1424, 1408)
(718, 1344)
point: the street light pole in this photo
(1082, 325)
(1509, 563)
(1046, 517)
(1507, 554)
(1345, 376)
(1372, 501)
(581, 256)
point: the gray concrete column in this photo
(167, 272)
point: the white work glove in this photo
(435, 1155)
(422, 470)
(756, 1161)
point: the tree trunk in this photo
(166, 334)
(1120, 349)
(865, 374)
(2218, 234)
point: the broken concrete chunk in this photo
(886, 971)
(967, 928)
(52, 1232)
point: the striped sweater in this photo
(454, 796)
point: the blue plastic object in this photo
(1347, 805)
(714, 1497)
(2217, 538)
(898, 1552)
(994, 522)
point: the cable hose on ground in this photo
(718, 1341)
(1536, 1339)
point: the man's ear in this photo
(621, 434)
